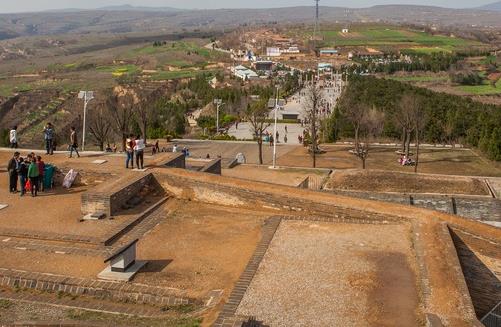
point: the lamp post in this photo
(218, 103)
(275, 131)
(87, 96)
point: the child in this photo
(41, 170)
(33, 175)
(23, 175)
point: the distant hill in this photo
(137, 8)
(496, 6)
(127, 19)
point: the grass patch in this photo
(163, 75)
(90, 316)
(119, 70)
(5, 304)
(484, 89)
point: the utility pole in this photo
(87, 96)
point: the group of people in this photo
(134, 147)
(405, 161)
(184, 150)
(27, 173)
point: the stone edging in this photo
(230, 307)
(108, 290)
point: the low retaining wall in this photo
(474, 207)
(212, 167)
(129, 292)
(109, 198)
(170, 159)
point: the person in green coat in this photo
(33, 175)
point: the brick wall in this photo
(110, 197)
(478, 208)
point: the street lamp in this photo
(275, 130)
(218, 103)
(87, 96)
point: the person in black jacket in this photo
(23, 175)
(12, 167)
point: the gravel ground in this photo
(324, 275)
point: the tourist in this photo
(139, 152)
(271, 140)
(286, 129)
(285, 138)
(12, 168)
(73, 142)
(108, 148)
(129, 149)
(157, 147)
(23, 175)
(33, 175)
(41, 170)
(115, 148)
(174, 148)
(13, 137)
(49, 138)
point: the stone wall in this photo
(478, 208)
(482, 276)
(109, 198)
(235, 195)
(212, 167)
(170, 159)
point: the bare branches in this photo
(314, 97)
(256, 114)
(99, 125)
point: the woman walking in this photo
(73, 142)
(129, 149)
(139, 152)
(33, 176)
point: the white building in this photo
(244, 73)
(273, 52)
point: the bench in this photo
(122, 264)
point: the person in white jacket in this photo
(13, 137)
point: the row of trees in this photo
(415, 112)
(126, 111)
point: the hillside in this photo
(496, 6)
(132, 19)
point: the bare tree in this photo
(314, 97)
(420, 118)
(405, 118)
(256, 114)
(120, 104)
(371, 127)
(99, 125)
(145, 104)
(355, 111)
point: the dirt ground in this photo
(53, 263)
(282, 176)
(325, 274)
(382, 181)
(199, 248)
(431, 160)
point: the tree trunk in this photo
(404, 139)
(260, 147)
(363, 162)
(356, 139)
(417, 151)
(101, 146)
(408, 143)
(124, 140)
(145, 126)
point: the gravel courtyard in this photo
(326, 274)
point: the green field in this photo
(425, 78)
(378, 36)
(485, 89)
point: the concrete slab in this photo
(99, 161)
(126, 276)
(3, 206)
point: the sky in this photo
(7, 6)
